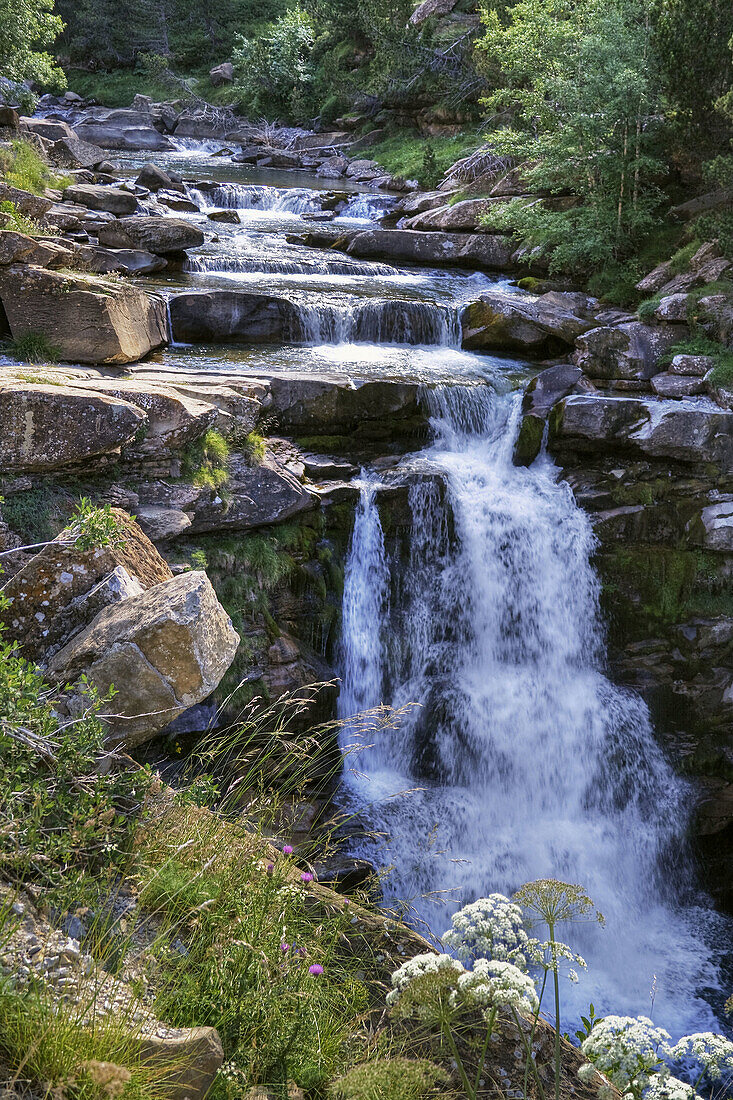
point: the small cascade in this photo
(270, 263)
(241, 196)
(366, 207)
(379, 321)
(522, 760)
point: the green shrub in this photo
(392, 1079)
(18, 222)
(205, 462)
(33, 347)
(93, 526)
(647, 309)
(23, 166)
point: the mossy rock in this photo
(529, 440)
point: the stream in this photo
(521, 758)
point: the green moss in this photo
(205, 461)
(646, 309)
(529, 440)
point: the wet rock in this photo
(101, 197)
(89, 319)
(465, 249)
(694, 433)
(321, 405)
(333, 168)
(692, 365)
(152, 234)
(62, 588)
(129, 261)
(46, 427)
(164, 651)
(155, 179)
(256, 496)
(668, 384)
(175, 201)
(230, 315)
(628, 351)
(509, 322)
(230, 216)
(121, 128)
(544, 391)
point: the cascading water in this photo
(522, 760)
(240, 196)
(382, 321)
(270, 263)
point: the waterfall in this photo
(367, 207)
(241, 196)
(522, 759)
(380, 321)
(366, 603)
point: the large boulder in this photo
(50, 427)
(155, 179)
(231, 315)
(696, 432)
(101, 197)
(50, 129)
(62, 588)
(129, 261)
(18, 248)
(499, 321)
(154, 234)
(317, 405)
(72, 152)
(462, 216)
(164, 651)
(89, 319)
(628, 351)
(121, 128)
(25, 202)
(410, 246)
(173, 419)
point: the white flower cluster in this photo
(418, 967)
(714, 1053)
(627, 1048)
(663, 1086)
(495, 984)
(492, 928)
(549, 955)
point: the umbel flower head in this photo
(491, 928)
(713, 1053)
(556, 902)
(493, 984)
(628, 1049)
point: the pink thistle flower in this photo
(287, 849)
(306, 877)
(284, 947)
(316, 969)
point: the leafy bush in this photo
(93, 526)
(273, 72)
(647, 309)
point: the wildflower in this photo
(573, 976)
(270, 868)
(714, 1053)
(663, 1086)
(418, 967)
(287, 849)
(315, 969)
(284, 947)
(627, 1049)
(306, 877)
(492, 928)
(493, 984)
(556, 902)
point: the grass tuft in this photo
(33, 347)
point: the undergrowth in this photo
(22, 166)
(33, 347)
